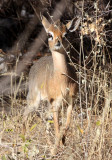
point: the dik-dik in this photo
(52, 77)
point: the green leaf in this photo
(4, 158)
(9, 130)
(98, 123)
(42, 85)
(50, 121)
(33, 126)
(28, 141)
(81, 130)
(22, 137)
(25, 148)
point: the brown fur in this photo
(51, 77)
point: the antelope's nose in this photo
(58, 43)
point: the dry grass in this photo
(89, 137)
(90, 133)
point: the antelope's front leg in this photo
(56, 121)
(56, 127)
(69, 112)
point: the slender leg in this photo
(56, 126)
(31, 105)
(25, 116)
(69, 111)
(28, 110)
(56, 121)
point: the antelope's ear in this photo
(73, 24)
(45, 23)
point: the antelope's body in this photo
(51, 77)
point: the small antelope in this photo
(51, 77)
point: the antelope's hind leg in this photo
(32, 104)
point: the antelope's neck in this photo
(60, 63)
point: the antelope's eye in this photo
(50, 36)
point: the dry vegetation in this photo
(22, 41)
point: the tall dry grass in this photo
(90, 134)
